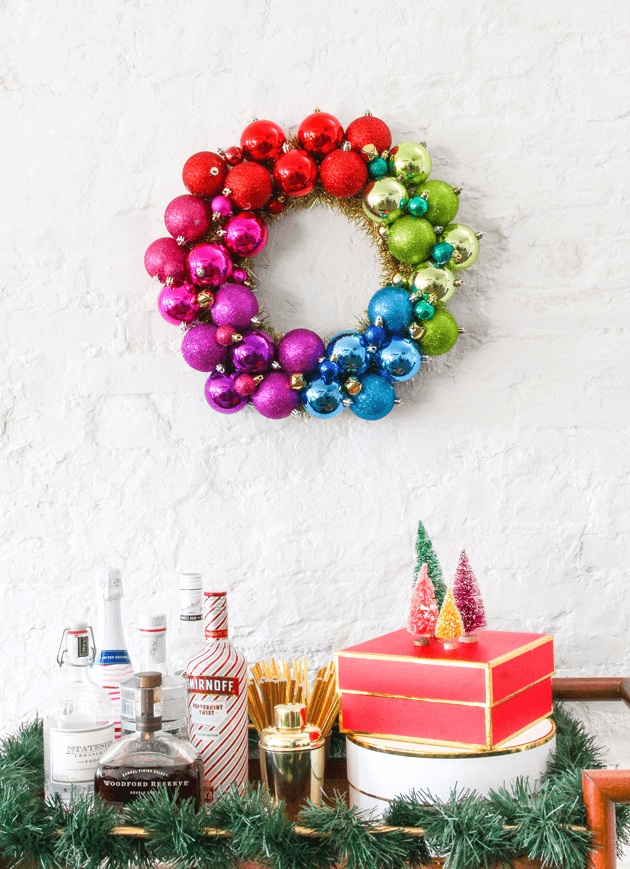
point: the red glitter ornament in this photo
(276, 206)
(250, 184)
(369, 131)
(295, 173)
(234, 156)
(226, 335)
(245, 385)
(320, 133)
(343, 174)
(204, 173)
(262, 140)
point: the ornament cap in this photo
(458, 284)
(346, 146)
(480, 235)
(367, 113)
(457, 190)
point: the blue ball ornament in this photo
(322, 399)
(393, 305)
(328, 370)
(376, 398)
(375, 335)
(399, 359)
(348, 350)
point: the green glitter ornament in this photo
(410, 239)
(465, 244)
(412, 161)
(442, 200)
(440, 333)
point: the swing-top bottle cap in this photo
(110, 583)
(78, 627)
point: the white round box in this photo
(381, 769)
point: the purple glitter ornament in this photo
(165, 259)
(209, 265)
(254, 354)
(300, 351)
(274, 398)
(222, 205)
(234, 305)
(221, 393)
(246, 234)
(188, 217)
(200, 348)
(178, 304)
(239, 276)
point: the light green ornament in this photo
(432, 281)
(442, 201)
(385, 200)
(410, 239)
(440, 333)
(412, 161)
(465, 242)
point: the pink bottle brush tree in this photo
(423, 610)
(468, 599)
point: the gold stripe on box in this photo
(407, 660)
(366, 794)
(522, 730)
(520, 651)
(488, 714)
(417, 699)
(520, 691)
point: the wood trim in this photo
(603, 788)
(582, 688)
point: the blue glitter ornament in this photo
(418, 206)
(399, 359)
(375, 335)
(377, 168)
(322, 399)
(392, 304)
(442, 253)
(423, 310)
(328, 370)
(349, 351)
(376, 398)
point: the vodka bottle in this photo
(190, 636)
(217, 702)
(112, 665)
(152, 629)
(79, 723)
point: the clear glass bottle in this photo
(217, 702)
(190, 636)
(152, 629)
(79, 723)
(148, 758)
(113, 664)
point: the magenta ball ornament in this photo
(200, 348)
(274, 397)
(178, 304)
(221, 393)
(245, 234)
(222, 206)
(239, 276)
(300, 350)
(165, 259)
(234, 305)
(209, 265)
(188, 218)
(254, 354)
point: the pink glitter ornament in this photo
(221, 393)
(245, 385)
(239, 276)
(209, 265)
(221, 205)
(188, 217)
(254, 354)
(234, 305)
(246, 234)
(227, 335)
(467, 595)
(423, 610)
(200, 348)
(178, 304)
(274, 397)
(165, 259)
(300, 350)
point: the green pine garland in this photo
(470, 831)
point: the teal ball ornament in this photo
(410, 239)
(322, 400)
(429, 280)
(377, 168)
(442, 202)
(349, 351)
(412, 161)
(384, 200)
(376, 398)
(393, 306)
(399, 359)
(440, 333)
(465, 245)
(417, 206)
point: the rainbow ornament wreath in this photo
(221, 224)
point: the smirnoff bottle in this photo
(112, 665)
(217, 702)
(190, 638)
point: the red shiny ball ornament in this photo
(204, 173)
(276, 206)
(343, 174)
(250, 184)
(233, 156)
(295, 173)
(225, 335)
(320, 133)
(245, 385)
(369, 131)
(262, 140)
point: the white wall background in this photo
(514, 445)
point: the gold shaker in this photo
(292, 758)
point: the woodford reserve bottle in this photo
(217, 702)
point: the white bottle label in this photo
(74, 754)
(208, 712)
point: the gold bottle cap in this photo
(290, 716)
(290, 731)
(149, 679)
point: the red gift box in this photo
(479, 695)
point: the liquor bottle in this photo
(152, 629)
(112, 665)
(217, 702)
(190, 637)
(79, 724)
(144, 760)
